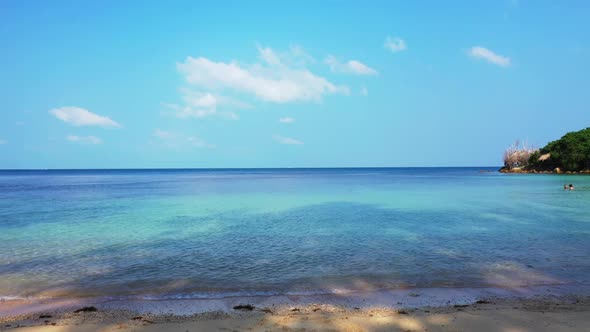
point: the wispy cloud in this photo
(3, 141)
(199, 105)
(364, 91)
(297, 56)
(78, 116)
(270, 81)
(395, 44)
(488, 55)
(287, 140)
(176, 139)
(294, 57)
(84, 139)
(350, 67)
(286, 120)
(162, 134)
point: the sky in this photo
(232, 84)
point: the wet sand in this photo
(403, 310)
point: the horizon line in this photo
(232, 168)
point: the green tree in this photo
(572, 151)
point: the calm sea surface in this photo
(210, 233)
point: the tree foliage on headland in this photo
(571, 153)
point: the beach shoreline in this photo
(546, 313)
(412, 308)
(542, 171)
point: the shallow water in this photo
(213, 233)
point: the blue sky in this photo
(125, 84)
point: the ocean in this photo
(210, 233)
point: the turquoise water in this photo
(210, 233)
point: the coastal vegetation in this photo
(569, 154)
(518, 155)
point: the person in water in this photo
(571, 186)
(565, 187)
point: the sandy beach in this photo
(408, 310)
(522, 315)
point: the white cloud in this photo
(199, 105)
(490, 56)
(297, 56)
(364, 91)
(351, 67)
(84, 139)
(176, 139)
(287, 140)
(361, 68)
(270, 81)
(286, 120)
(3, 141)
(80, 117)
(269, 56)
(395, 44)
(196, 104)
(294, 57)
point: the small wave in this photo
(15, 298)
(230, 294)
